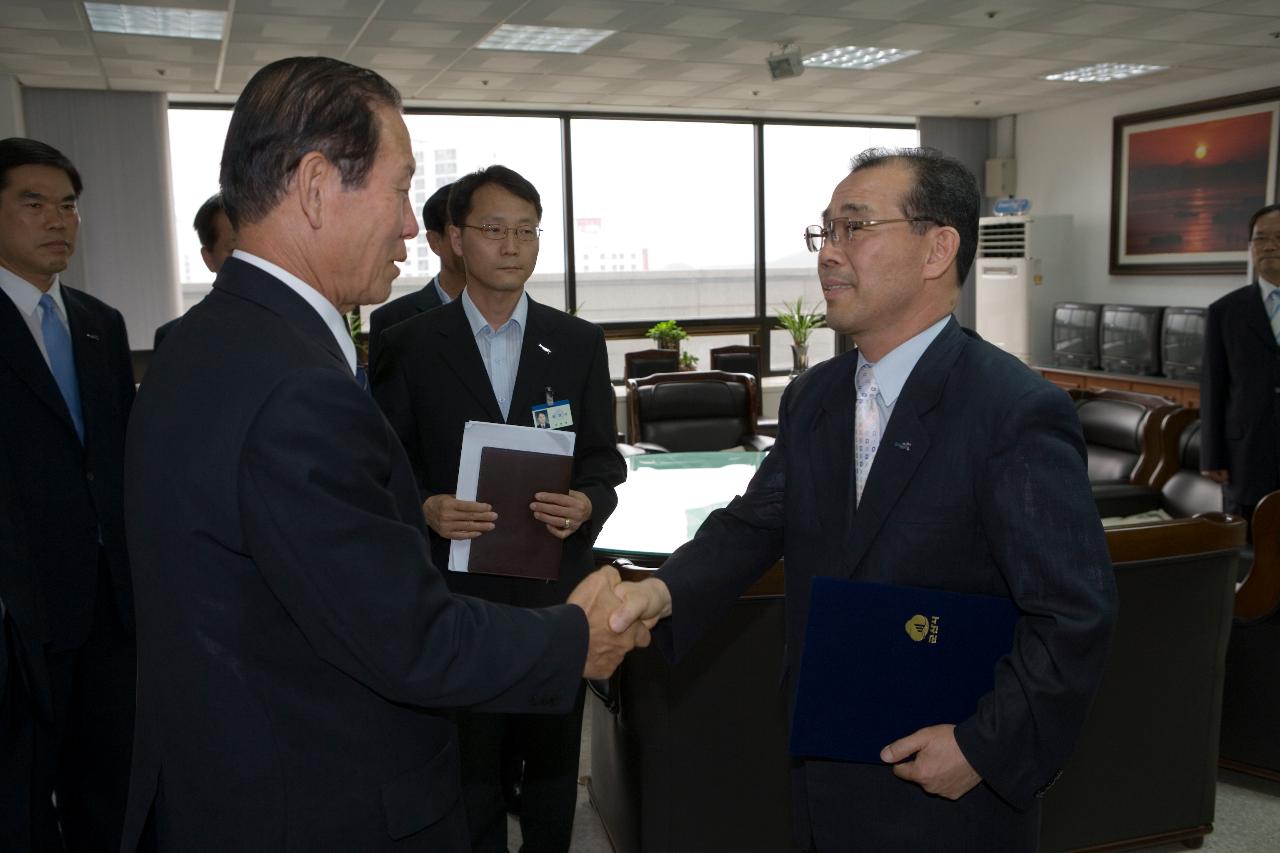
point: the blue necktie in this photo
(1273, 311)
(57, 343)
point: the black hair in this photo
(206, 230)
(945, 193)
(510, 180)
(19, 151)
(292, 107)
(435, 213)
(1253, 220)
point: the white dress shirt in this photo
(335, 321)
(26, 296)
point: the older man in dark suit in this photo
(66, 383)
(444, 286)
(496, 355)
(298, 649)
(926, 458)
(1240, 383)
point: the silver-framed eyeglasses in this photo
(524, 233)
(841, 230)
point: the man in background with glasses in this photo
(1240, 421)
(927, 458)
(495, 355)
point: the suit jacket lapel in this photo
(1255, 316)
(533, 376)
(19, 349)
(243, 279)
(459, 350)
(831, 448)
(90, 357)
(905, 443)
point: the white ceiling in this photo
(705, 57)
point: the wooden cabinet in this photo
(1180, 391)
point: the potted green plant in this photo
(800, 323)
(688, 361)
(667, 334)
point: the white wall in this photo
(11, 123)
(1064, 166)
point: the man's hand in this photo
(562, 514)
(645, 602)
(605, 647)
(939, 766)
(455, 519)
(1218, 475)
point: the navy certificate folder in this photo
(882, 661)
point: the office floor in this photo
(1247, 816)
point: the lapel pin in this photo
(91, 336)
(902, 445)
(544, 349)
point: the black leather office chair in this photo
(740, 358)
(690, 411)
(638, 364)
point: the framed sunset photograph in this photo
(1185, 181)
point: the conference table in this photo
(692, 756)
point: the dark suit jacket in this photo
(296, 645)
(1240, 396)
(163, 330)
(430, 380)
(398, 310)
(62, 495)
(979, 485)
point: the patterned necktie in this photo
(1273, 311)
(57, 343)
(866, 429)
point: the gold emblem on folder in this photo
(917, 627)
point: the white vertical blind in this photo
(119, 141)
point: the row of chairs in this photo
(1144, 455)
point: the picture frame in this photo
(1186, 179)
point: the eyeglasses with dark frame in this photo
(524, 233)
(816, 236)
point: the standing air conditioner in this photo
(1021, 270)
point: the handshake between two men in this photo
(620, 614)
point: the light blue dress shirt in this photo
(892, 370)
(499, 350)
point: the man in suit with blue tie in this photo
(443, 288)
(66, 379)
(930, 458)
(1239, 400)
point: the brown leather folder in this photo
(519, 545)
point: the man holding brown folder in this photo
(495, 355)
(925, 458)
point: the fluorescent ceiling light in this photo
(862, 58)
(546, 39)
(155, 21)
(1103, 72)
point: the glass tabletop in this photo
(667, 496)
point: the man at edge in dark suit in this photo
(66, 382)
(298, 650)
(494, 355)
(443, 288)
(927, 458)
(1239, 400)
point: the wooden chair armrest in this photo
(1259, 595)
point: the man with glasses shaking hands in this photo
(495, 355)
(928, 458)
